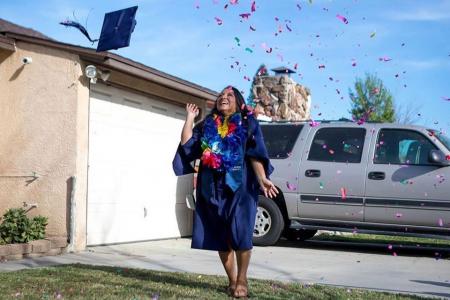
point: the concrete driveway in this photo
(413, 270)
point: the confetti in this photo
(296, 66)
(331, 151)
(245, 16)
(398, 215)
(390, 247)
(253, 7)
(441, 222)
(288, 28)
(252, 28)
(353, 63)
(446, 98)
(342, 18)
(321, 66)
(237, 41)
(249, 50)
(234, 2)
(313, 123)
(321, 185)
(343, 193)
(385, 58)
(372, 35)
(299, 6)
(394, 253)
(218, 20)
(290, 186)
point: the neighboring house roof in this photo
(11, 30)
(6, 26)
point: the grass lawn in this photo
(382, 239)
(100, 282)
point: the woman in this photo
(234, 165)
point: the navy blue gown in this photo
(224, 218)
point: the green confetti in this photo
(238, 41)
(373, 34)
(321, 185)
(249, 50)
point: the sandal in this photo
(241, 290)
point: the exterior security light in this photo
(91, 72)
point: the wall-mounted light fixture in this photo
(93, 73)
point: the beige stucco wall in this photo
(43, 125)
(44, 119)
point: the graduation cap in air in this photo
(116, 31)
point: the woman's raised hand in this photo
(192, 111)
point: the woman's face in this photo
(226, 103)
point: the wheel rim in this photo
(263, 222)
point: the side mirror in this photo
(438, 157)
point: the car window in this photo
(280, 139)
(400, 146)
(338, 145)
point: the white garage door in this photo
(133, 194)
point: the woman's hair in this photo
(240, 102)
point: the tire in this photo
(299, 234)
(269, 223)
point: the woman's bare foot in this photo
(241, 290)
(231, 287)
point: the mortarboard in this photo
(117, 28)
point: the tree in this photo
(262, 71)
(407, 113)
(371, 101)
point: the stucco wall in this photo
(43, 126)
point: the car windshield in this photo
(441, 137)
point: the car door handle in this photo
(312, 173)
(377, 175)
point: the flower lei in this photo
(222, 142)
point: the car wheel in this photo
(299, 234)
(269, 223)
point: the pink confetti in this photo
(390, 247)
(343, 193)
(331, 151)
(398, 215)
(342, 18)
(394, 253)
(245, 16)
(441, 222)
(253, 8)
(313, 123)
(290, 186)
(234, 2)
(218, 20)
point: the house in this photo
(95, 158)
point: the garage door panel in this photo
(132, 191)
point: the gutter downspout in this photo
(71, 248)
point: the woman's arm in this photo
(192, 112)
(267, 186)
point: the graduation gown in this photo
(224, 218)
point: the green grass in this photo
(100, 282)
(382, 239)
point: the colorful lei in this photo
(222, 142)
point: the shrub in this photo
(16, 227)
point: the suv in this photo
(337, 175)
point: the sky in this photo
(405, 43)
